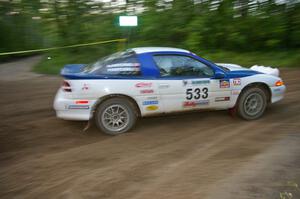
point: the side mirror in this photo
(219, 75)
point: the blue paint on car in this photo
(149, 69)
(241, 73)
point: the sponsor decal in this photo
(123, 69)
(236, 82)
(147, 91)
(85, 87)
(162, 86)
(191, 104)
(152, 102)
(277, 90)
(78, 107)
(224, 83)
(118, 65)
(235, 92)
(184, 82)
(152, 98)
(222, 99)
(151, 108)
(195, 82)
(200, 82)
(143, 85)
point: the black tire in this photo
(103, 109)
(244, 107)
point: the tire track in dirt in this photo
(131, 162)
(196, 155)
(128, 161)
(215, 160)
(280, 163)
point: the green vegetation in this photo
(53, 61)
(292, 189)
(245, 32)
(247, 59)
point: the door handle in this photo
(164, 85)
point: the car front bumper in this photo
(277, 93)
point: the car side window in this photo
(125, 65)
(179, 65)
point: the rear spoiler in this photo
(71, 69)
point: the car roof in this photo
(157, 49)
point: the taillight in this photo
(66, 86)
(81, 102)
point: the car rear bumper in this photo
(277, 93)
(73, 109)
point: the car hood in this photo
(232, 67)
(261, 69)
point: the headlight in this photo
(279, 83)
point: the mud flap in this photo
(87, 126)
(232, 111)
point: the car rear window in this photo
(122, 63)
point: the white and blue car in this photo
(147, 81)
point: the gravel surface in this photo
(195, 155)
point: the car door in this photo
(185, 83)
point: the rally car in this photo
(147, 81)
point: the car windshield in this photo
(224, 68)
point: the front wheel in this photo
(252, 103)
(115, 116)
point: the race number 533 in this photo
(196, 93)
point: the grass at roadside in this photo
(53, 61)
(275, 59)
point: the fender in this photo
(267, 80)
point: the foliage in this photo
(293, 188)
(243, 26)
(54, 60)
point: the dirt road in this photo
(198, 155)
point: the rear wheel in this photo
(252, 103)
(115, 116)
